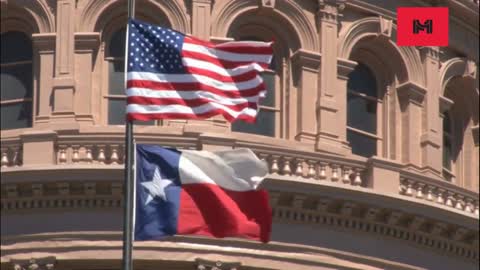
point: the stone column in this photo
(431, 137)
(411, 98)
(331, 102)
(64, 82)
(306, 64)
(85, 46)
(44, 45)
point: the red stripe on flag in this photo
(195, 86)
(140, 100)
(219, 62)
(197, 116)
(242, 49)
(207, 209)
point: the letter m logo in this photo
(426, 26)
(415, 26)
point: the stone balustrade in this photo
(318, 168)
(286, 163)
(440, 193)
(11, 152)
(98, 153)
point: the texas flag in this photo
(199, 192)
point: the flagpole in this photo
(129, 174)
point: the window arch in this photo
(265, 123)
(114, 59)
(16, 80)
(268, 120)
(459, 161)
(362, 107)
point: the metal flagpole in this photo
(129, 174)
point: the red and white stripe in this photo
(221, 79)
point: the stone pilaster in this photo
(331, 102)
(38, 147)
(44, 45)
(201, 18)
(64, 82)
(85, 46)
(306, 63)
(411, 97)
(431, 138)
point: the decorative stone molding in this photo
(44, 42)
(420, 230)
(202, 264)
(224, 13)
(385, 30)
(344, 67)
(470, 69)
(432, 52)
(329, 10)
(87, 42)
(411, 92)
(270, 4)
(445, 104)
(46, 263)
(306, 59)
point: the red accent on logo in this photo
(422, 26)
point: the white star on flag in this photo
(156, 187)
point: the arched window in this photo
(265, 122)
(362, 101)
(16, 80)
(115, 59)
(266, 117)
(447, 144)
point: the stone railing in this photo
(106, 148)
(313, 166)
(11, 151)
(439, 192)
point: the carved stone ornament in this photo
(46, 263)
(385, 27)
(268, 4)
(216, 265)
(470, 69)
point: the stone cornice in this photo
(87, 42)
(44, 42)
(306, 59)
(411, 92)
(344, 67)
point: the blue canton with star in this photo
(157, 192)
(154, 49)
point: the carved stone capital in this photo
(306, 59)
(87, 42)
(445, 104)
(329, 10)
(344, 67)
(44, 42)
(411, 93)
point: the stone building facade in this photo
(372, 147)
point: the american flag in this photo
(175, 76)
